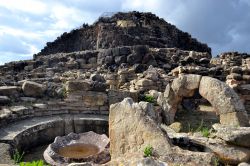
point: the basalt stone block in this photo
(98, 86)
(4, 100)
(124, 50)
(109, 60)
(33, 89)
(9, 91)
(120, 59)
(134, 58)
(97, 77)
(78, 85)
(140, 50)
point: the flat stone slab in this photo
(8, 133)
(234, 135)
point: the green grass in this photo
(148, 151)
(18, 156)
(149, 99)
(33, 163)
(205, 131)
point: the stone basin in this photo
(83, 147)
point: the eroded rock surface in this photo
(131, 129)
(234, 135)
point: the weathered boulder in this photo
(97, 77)
(77, 85)
(234, 135)
(224, 99)
(33, 89)
(185, 85)
(131, 130)
(230, 154)
(151, 73)
(244, 164)
(236, 69)
(176, 126)
(144, 82)
(169, 102)
(97, 83)
(151, 111)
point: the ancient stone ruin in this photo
(157, 93)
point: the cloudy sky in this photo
(26, 25)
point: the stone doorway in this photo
(224, 100)
(194, 112)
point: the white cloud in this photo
(27, 6)
(18, 32)
(68, 19)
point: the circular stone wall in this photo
(29, 133)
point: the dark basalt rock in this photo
(106, 32)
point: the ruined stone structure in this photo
(78, 82)
(223, 99)
(124, 29)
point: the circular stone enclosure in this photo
(43, 130)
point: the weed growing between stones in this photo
(205, 131)
(18, 156)
(148, 151)
(149, 99)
